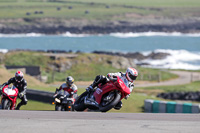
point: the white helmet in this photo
(69, 81)
(131, 74)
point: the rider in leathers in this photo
(70, 89)
(20, 83)
(128, 78)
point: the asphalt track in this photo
(95, 122)
(19, 121)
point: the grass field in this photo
(97, 9)
(134, 104)
(194, 86)
(89, 10)
(84, 70)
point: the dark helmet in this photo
(19, 76)
(69, 81)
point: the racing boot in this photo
(18, 106)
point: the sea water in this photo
(184, 49)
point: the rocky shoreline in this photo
(193, 27)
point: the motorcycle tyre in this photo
(58, 108)
(69, 109)
(79, 103)
(6, 104)
(111, 104)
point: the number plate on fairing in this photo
(98, 91)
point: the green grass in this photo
(150, 74)
(134, 104)
(87, 68)
(97, 10)
(194, 86)
(35, 105)
(26, 59)
(49, 88)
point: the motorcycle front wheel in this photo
(58, 108)
(69, 107)
(79, 103)
(6, 104)
(109, 100)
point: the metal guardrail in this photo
(42, 96)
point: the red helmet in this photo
(19, 76)
(131, 74)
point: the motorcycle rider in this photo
(20, 83)
(129, 77)
(69, 88)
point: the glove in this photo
(55, 95)
(2, 85)
(127, 96)
(21, 94)
(89, 88)
(113, 78)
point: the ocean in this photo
(184, 49)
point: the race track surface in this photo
(96, 122)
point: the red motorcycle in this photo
(106, 96)
(9, 97)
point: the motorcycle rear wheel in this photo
(106, 107)
(6, 104)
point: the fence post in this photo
(159, 76)
(191, 77)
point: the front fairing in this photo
(10, 92)
(111, 86)
(68, 100)
(122, 85)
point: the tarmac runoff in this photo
(20, 121)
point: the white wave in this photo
(22, 35)
(149, 34)
(68, 34)
(178, 59)
(3, 51)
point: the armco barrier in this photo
(156, 106)
(42, 96)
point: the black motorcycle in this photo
(63, 102)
